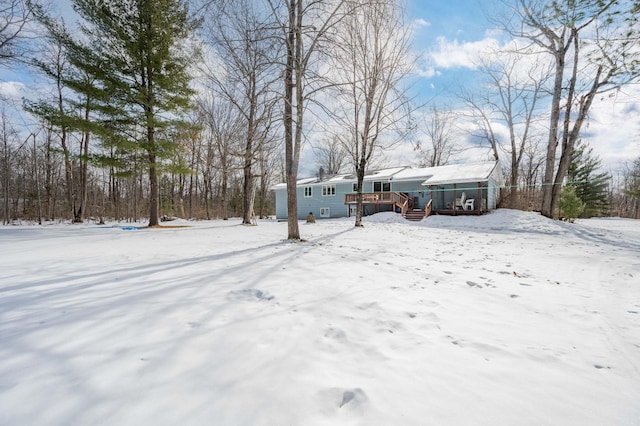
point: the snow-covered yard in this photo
(504, 319)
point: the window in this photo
(355, 187)
(325, 212)
(328, 190)
(381, 186)
(308, 192)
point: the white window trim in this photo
(310, 188)
(382, 184)
(325, 212)
(328, 190)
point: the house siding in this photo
(414, 190)
(444, 195)
(281, 202)
(317, 201)
(411, 183)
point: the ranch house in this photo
(460, 189)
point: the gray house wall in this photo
(489, 190)
(281, 202)
(335, 203)
(442, 195)
(316, 202)
(415, 190)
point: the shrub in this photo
(571, 206)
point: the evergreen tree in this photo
(132, 52)
(570, 204)
(591, 185)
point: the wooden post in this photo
(455, 195)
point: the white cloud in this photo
(426, 72)
(613, 127)
(419, 23)
(11, 89)
(454, 54)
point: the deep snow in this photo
(504, 319)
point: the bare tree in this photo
(530, 173)
(245, 72)
(67, 114)
(222, 127)
(592, 52)
(370, 67)
(305, 26)
(629, 199)
(516, 83)
(8, 138)
(268, 161)
(15, 18)
(331, 155)
(483, 118)
(54, 64)
(440, 146)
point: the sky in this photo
(449, 37)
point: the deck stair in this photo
(415, 215)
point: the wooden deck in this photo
(397, 200)
(394, 199)
(405, 204)
(450, 212)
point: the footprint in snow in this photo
(353, 397)
(249, 294)
(600, 367)
(336, 334)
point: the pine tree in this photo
(570, 204)
(133, 55)
(591, 185)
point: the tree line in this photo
(160, 108)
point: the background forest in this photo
(158, 109)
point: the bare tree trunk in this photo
(293, 54)
(360, 170)
(299, 51)
(6, 166)
(84, 178)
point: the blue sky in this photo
(448, 36)
(443, 24)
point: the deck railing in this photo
(396, 199)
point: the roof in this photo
(472, 172)
(455, 173)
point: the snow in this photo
(472, 172)
(508, 318)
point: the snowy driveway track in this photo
(504, 319)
